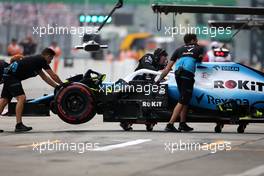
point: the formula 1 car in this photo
(224, 93)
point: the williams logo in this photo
(226, 68)
(216, 67)
(240, 84)
(199, 98)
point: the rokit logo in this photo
(240, 84)
(152, 104)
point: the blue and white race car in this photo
(224, 93)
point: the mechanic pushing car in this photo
(23, 69)
(186, 58)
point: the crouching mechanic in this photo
(23, 69)
(186, 58)
(156, 61)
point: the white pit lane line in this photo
(122, 145)
(257, 171)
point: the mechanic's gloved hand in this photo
(16, 58)
(157, 83)
(57, 88)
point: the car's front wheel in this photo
(75, 104)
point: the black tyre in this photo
(75, 104)
(53, 107)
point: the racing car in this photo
(224, 93)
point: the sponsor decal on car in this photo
(199, 98)
(226, 68)
(239, 84)
(216, 100)
(152, 104)
(205, 75)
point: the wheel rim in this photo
(74, 103)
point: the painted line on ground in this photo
(121, 145)
(247, 149)
(257, 171)
(37, 144)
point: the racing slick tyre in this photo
(53, 107)
(75, 104)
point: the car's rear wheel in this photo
(75, 104)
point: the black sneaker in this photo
(1, 131)
(184, 127)
(20, 127)
(171, 128)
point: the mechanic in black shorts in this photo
(3, 64)
(20, 70)
(186, 58)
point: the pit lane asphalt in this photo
(134, 153)
(119, 153)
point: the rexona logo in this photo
(215, 101)
(240, 84)
(226, 68)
